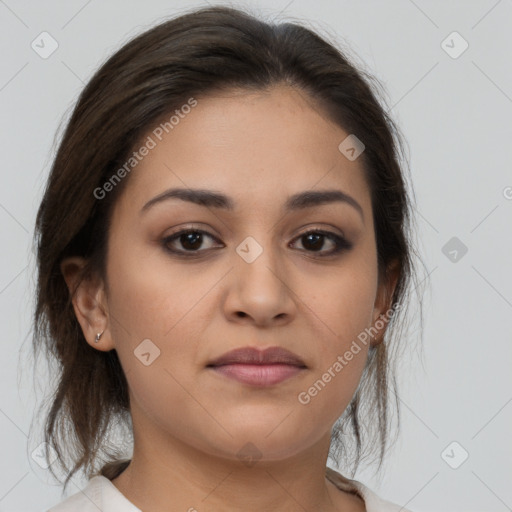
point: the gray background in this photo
(455, 114)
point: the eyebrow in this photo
(212, 199)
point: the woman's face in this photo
(249, 278)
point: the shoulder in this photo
(87, 499)
(99, 495)
(373, 503)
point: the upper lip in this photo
(252, 355)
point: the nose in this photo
(258, 292)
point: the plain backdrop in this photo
(453, 105)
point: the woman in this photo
(223, 247)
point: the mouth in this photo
(258, 368)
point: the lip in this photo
(252, 355)
(258, 368)
(258, 375)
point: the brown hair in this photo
(207, 49)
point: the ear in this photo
(382, 311)
(89, 302)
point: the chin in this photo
(263, 442)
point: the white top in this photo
(101, 495)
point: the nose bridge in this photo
(259, 289)
(258, 261)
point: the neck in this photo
(166, 474)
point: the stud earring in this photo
(98, 336)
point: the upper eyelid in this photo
(192, 226)
(186, 229)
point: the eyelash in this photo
(341, 244)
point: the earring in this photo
(98, 336)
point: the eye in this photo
(314, 241)
(190, 239)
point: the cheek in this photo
(155, 333)
(340, 352)
(149, 295)
(344, 307)
(150, 301)
(163, 305)
(327, 394)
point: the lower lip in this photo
(260, 375)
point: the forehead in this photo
(257, 147)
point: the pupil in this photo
(316, 238)
(191, 239)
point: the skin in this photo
(189, 422)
